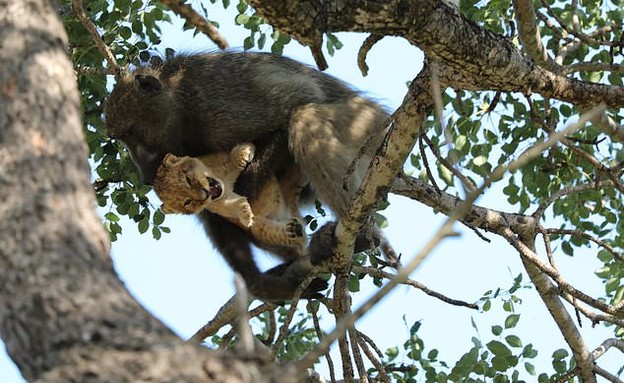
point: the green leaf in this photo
(248, 43)
(487, 305)
(512, 320)
(262, 41)
(433, 354)
(111, 217)
(498, 348)
(156, 233)
(497, 330)
(392, 352)
(445, 174)
(513, 341)
(529, 368)
(143, 225)
(500, 364)
(619, 295)
(159, 217)
(479, 160)
(354, 283)
(241, 6)
(560, 354)
(612, 285)
(125, 32)
(567, 248)
(529, 351)
(137, 27)
(241, 19)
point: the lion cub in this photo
(188, 185)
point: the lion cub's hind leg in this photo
(279, 233)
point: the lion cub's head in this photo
(184, 185)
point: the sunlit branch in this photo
(563, 285)
(530, 35)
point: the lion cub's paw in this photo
(244, 154)
(245, 215)
(295, 229)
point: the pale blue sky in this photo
(183, 281)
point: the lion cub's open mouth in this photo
(215, 189)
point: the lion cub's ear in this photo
(170, 159)
(165, 209)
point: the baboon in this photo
(198, 104)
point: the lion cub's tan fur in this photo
(188, 185)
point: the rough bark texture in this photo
(470, 57)
(64, 315)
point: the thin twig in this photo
(383, 376)
(97, 39)
(291, 313)
(320, 335)
(530, 255)
(200, 22)
(245, 343)
(371, 40)
(467, 182)
(588, 237)
(357, 356)
(423, 155)
(226, 315)
(606, 374)
(376, 273)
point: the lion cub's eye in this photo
(187, 202)
(188, 179)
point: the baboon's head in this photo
(139, 113)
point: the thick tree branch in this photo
(64, 314)
(549, 293)
(530, 35)
(461, 47)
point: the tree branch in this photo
(549, 294)
(373, 272)
(588, 237)
(363, 52)
(530, 35)
(97, 39)
(194, 18)
(458, 45)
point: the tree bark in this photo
(64, 314)
(469, 57)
